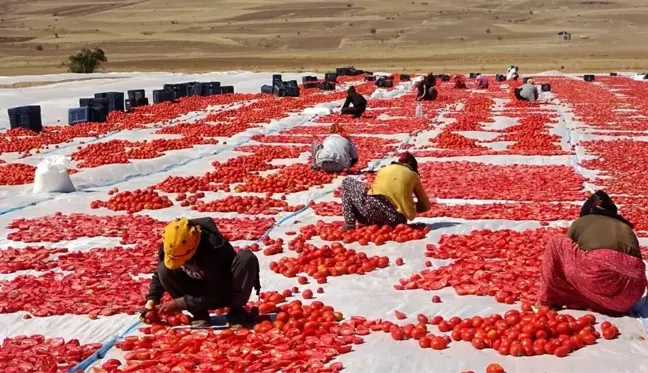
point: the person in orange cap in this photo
(201, 271)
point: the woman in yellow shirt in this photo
(390, 200)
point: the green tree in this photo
(87, 61)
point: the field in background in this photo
(434, 35)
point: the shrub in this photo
(87, 61)
(39, 47)
(373, 30)
(488, 31)
(499, 37)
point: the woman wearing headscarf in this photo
(597, 265)
(426, 88)
(481, 82)
(335, 153)
(201, 271)
(459, 82)
(390, 200)
(357, 100)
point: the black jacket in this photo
(356, 99)
(211, 264)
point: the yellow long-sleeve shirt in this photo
(399, 184)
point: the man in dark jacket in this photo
(359, 103)
(201, 271)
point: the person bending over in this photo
(527, 92)
(459, 82)
(481, 82)
(201, 271)
(359, 103)
(390, 199)
(426, 89)
(336, 153)
(597, 265)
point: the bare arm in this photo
(423, 202)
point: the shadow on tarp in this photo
(442, 224)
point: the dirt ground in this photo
(37, 36)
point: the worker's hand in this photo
(150, 305)
(171, 307)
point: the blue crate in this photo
(78, 115)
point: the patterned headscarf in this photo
(600, 203)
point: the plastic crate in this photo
(140, 102)
(127, 106)
(546, 87)
(310, 85)
(472, 75)
(444, 78)
(291, 83)
(163, 95)
(115, 100)
(136, 94)
(370, 78)
(78, 115)
(327, 86)
(613, 74)
(227, 89)
(588, 78)
(405, 77)
(384, 83)
(330, 77)
(86, 102)
(276, 78)
(291, 91)
(267, 89)
(27, 117)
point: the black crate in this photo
(212, 88)
(405, 77)
(127, 106)
(444, 78)
(27, 117)
(78, 115)
(291, 83)
(613, 74)
(546, 87)
(115, 100)
(276, 78)
(135, 94)
(327, 86)
(588, 78)
(86, 102)
(140, 102)
(310, 85)
(330, 77)
(267, 89)
(500, 78)
(279, 89)
(308, 79)
(290, 91)
(472, 75)
(342, 71)
(227, 89)
(163, 95)
(354, 72)
(370, 78)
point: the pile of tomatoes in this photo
(134, 201)
(290, 179)
(333, 260)
(16, 174)
(503, 264)
(248, 205)
(35, 353)
(375, 234)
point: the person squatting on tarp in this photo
(512, 73)
(426, 88)
(390, 200)
(481, 82)
(527, 92)
(459, 82)
(597, 264)
(358, 101)
(335, 153)
(201, 271)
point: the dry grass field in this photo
(36, 36)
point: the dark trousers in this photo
(355, 111)
(245, 277)
(366, 209)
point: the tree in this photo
(87, 61)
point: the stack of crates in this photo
(98, 108)
(115, 100)
(136, 97)
(227, 89)
(212, 88)
(163, 95)
(27, 117)
(330, 77)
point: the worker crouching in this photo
(201, 271)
